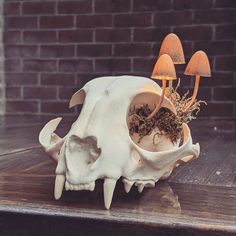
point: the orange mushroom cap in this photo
(172, 46)
(198, 65)
(164, 68)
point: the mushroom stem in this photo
(197, 80)
(160, 101)
(170, 84)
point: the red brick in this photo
(132, 50)
(12, 37)
(187, 47)
(214, 16)
(217, 109)
(224, 4)
(121, 65)
(13, 92)
(99, 50)
(39, 65)
(22, 106)
(194, 32)
(76, 65)
(226, 63)
(73, 36)
(173, 18)
(113, 65)
(34, 8)
(56, 22)
(132, 20)
(39, 36)
(42, 93)
(204, 93)
(215, 47)
(151, 5)
(75, 7)
(58, 79)
(218, 79)
(14, 79)
(94, 21)
(12, 65)
(150, 35)
(56, 51)
(226, 31)
(12, 8)
(185, 81)
(21, 51)
(103, 6)
(191, 4)
(225, 94)
(66, 93)
(83, 78)
(55, 107)
(144, 64)
(113, 35)
(21, 22)
(103, 65)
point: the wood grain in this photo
(198, 199)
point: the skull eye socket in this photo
(141, 132)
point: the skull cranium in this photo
(99, 146)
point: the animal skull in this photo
(99, 146)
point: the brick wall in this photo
(53, 47)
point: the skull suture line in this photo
(99, 146)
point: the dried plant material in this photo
(164, 120)
(181, 103)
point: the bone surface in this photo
(99, 146)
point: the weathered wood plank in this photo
(198, 199)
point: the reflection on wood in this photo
(198, 199)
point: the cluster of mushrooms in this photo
(171, 53)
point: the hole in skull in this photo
(83, 151)
(160, 133)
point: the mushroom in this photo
(164, 70)
(172, 46)
(197, 66)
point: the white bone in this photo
(49, 140)
(99, 146)
(59, 186)
(77, 98)
(108, 190)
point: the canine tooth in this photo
(108, 190)
(127, 185)
(59, 185)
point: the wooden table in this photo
(198, 199)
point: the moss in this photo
(164, 120)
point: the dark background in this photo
(52, 48)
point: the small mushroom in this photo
(197, 66)
(164, 70)
(172, 46)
